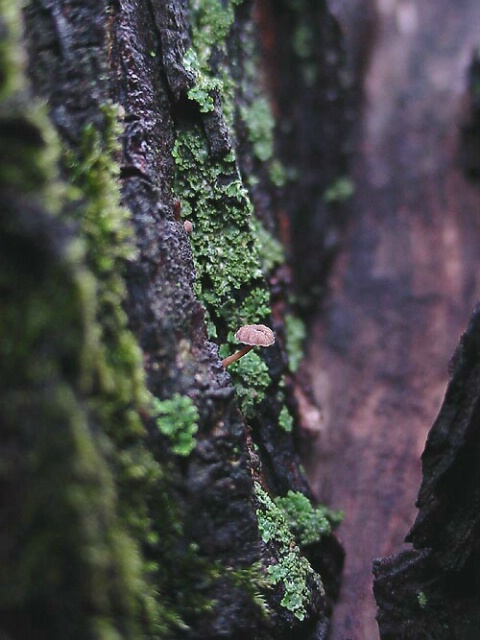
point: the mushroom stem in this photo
(237, 355)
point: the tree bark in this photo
(171, 170)
(138, 476)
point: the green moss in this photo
(303, 41)
(60, 373)
(75, 387)
(253, 581)
(307, 523)
(30, 165)
(11, 56)
(295, 334)
(292, 569)
(119, 375)
(177, 418)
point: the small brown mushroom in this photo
(252, 335)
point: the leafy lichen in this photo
(232, 250)
(285, 420)
(258, 117)
(307, 523)
(251, 379)
(177, 418)
(205, 85)
(295, 334)
(292, 569)
(225, 250)
(340, 191)
(422, 599)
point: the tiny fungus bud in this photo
(188, 226)
(252, 335)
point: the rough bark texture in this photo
(162, 164)
(129, 454)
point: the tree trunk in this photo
(169, 171)
(146, 491)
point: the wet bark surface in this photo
(401, 291)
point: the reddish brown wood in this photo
(401, 292)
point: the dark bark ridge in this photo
(432, 591)
(187, 543)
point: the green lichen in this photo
(270, 250)
(251, 378)
(422, 599)
(304, 38)
(257, 116)
(260, 123)
(177, 418)
(211, 23)
(285, 420)
(204, 87)
(225, 250)
(307, 523)
(295, 334)
(232, 250)
(292, 569)
(278, 173)
(340, 191)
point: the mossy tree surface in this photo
(127, 464)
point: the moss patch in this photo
(55, 457)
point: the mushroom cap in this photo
(255, 335)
